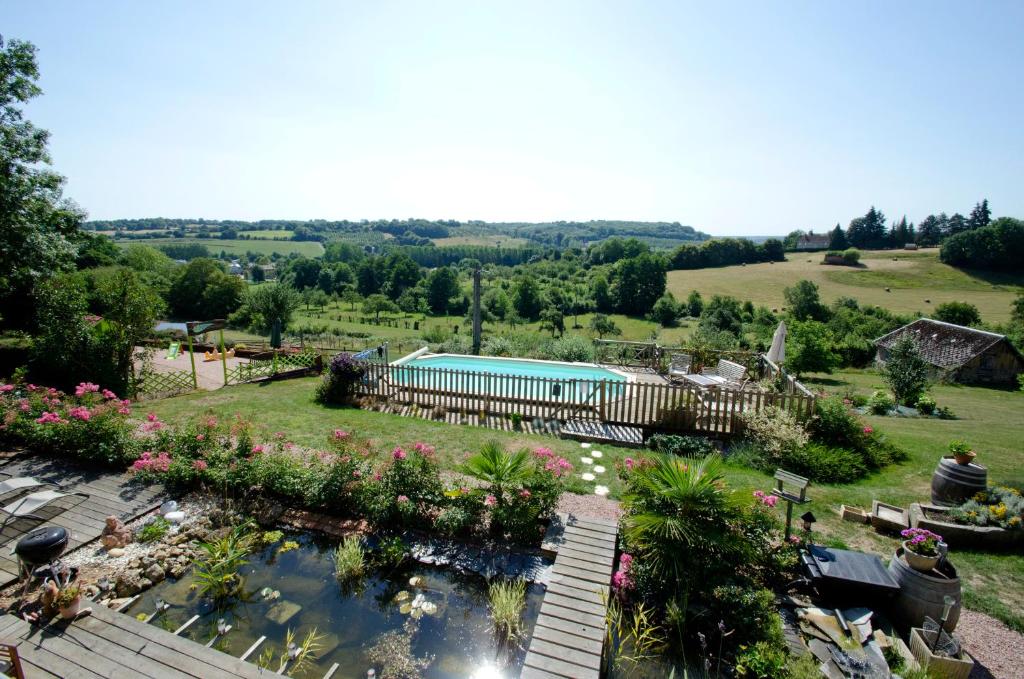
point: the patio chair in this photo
(19, 484)
(10, 662)
(679, 365)
(25, 507)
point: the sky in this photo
(736, 118)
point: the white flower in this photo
(586, 460)
(600, 490)
(588, 476)
(598, 469)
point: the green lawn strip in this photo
(237, 246)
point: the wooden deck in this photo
(568, 636)
(109, 493)
(110, 644)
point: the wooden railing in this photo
(651, 406)
(656, 357)
(786, 382)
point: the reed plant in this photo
(350, 559)
(508, 599)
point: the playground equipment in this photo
(218, 355)
(173, 351)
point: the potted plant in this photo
(962, 452)
(69, 601)
(921, 548)
(517, 421)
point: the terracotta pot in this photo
(72, 608)
(965, 458)
(919, 562)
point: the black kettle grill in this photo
(40, 552)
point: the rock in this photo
(177, 570)
(116, 603)
(135, 563)
(175, 517)
(282, 612)
(145, 583)
(115, 534)
(128, 584)
(179, 538)
(146, 561)
(155, 573)
(115, 552)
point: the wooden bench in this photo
(732, 373)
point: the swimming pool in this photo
(496, 376)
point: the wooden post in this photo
(223, 357)
(192, 358)
(476, 312)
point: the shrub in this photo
(905, 371)
(851, 256)
(339, 383)
(350, 558)
(761, 661)
(401, 493)
(881, 403)
(154, 530)
(680, 445)
(777, 432)
(835, 424)
(825, 464)
(926, 404)
(572, 348)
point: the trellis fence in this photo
(157, 384)
(650, 406)
(271, 365)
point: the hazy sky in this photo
(744, 118)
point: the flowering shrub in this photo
(921, 541)
(622, 581)
(881, 403)
(776, 431)
(404, 490)
(766, 499)
(1000, 506)
(87, 425)
(338, 385)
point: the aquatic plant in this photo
(632, 635)
(216, 571)
(508, 599)
(350, 558)
(390, 552)
(295, 658)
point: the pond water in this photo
(458, 634)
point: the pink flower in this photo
(86, 388)
(525, 493)
(357, 474)
(24, 406)
(80, 413)
(278, 434)
(199, 465)
(151, 417)
(625, 561)
(868, 430)
(398, 453)
(124, 410)
(257, 449)
(4, 388)
(771, 500)
(200, 437)
(543, 453)
(629, 462)
(107, 394)
(50, 418)
(402, 499)
(376, 476)
(211, 422)
(31, 387)
(794, 539)
(490, 501)
(340, 434)
(423, 449)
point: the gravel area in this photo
(998, 651)
(589, 505)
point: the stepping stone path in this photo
(596, 453)
(584, 445)
(600, 490)
(586, 460)
(588, 477)
(598, 469)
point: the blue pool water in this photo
(509, 366)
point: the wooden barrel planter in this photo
(921, 594)
(954, 483)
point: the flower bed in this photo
(964, 536)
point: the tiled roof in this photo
(943, 344)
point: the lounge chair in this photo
(679, 365)
(19, 484)
(10, 662)
(25, 507)
(729, 373)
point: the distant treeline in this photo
(562, 234)
(432, 256)
(726, 252)
(997, 246)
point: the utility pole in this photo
(476, 312)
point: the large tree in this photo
(639, 282)
(442, 285)
(38, 226)
(980, 216)
(868, 231)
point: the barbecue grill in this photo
(39, 552)
(842, 576)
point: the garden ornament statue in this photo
(115, 533)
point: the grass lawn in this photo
(270, 233)
(238, 247)
(490, 240)
(912, 278)
(989, 419)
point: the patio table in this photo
(705, 381)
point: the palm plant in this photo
(499, 469)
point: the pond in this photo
(296, 589)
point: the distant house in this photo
(813, 241)
(235, 268)
(958, 353)
(910, 246)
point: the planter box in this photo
(889, 517)
(855, 514)
(937, 666)
(960, 536)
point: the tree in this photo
(694, 304)
(956, 224)
(666, 310)
(351, 297)
(722, 314)
(377, 304)
(958, 313)
(993, 247)
(526, 298)
(264, 304)
(552, 318)
(257, 274)
(187, 293)
(129, 310)
(868, 231)
(37, 224)
(404, 274)
(809, 348)
(603, 325)
(837, 239)
(980, 216)
(929, 231)
(804, 302)
(497, 303)
(602, 295)
(639, 282)
(442, 285)
(905, 371)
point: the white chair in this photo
(679, 365)
(26, 507)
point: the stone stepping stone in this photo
(283, 611)
(600, 490)
(588, 477)
(598, 469)
(596, 453)
(586, 460)
(584, 445)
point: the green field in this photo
(917, 281)
(238, 247)
(270, 233)
(483, 239)
(988, 419)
